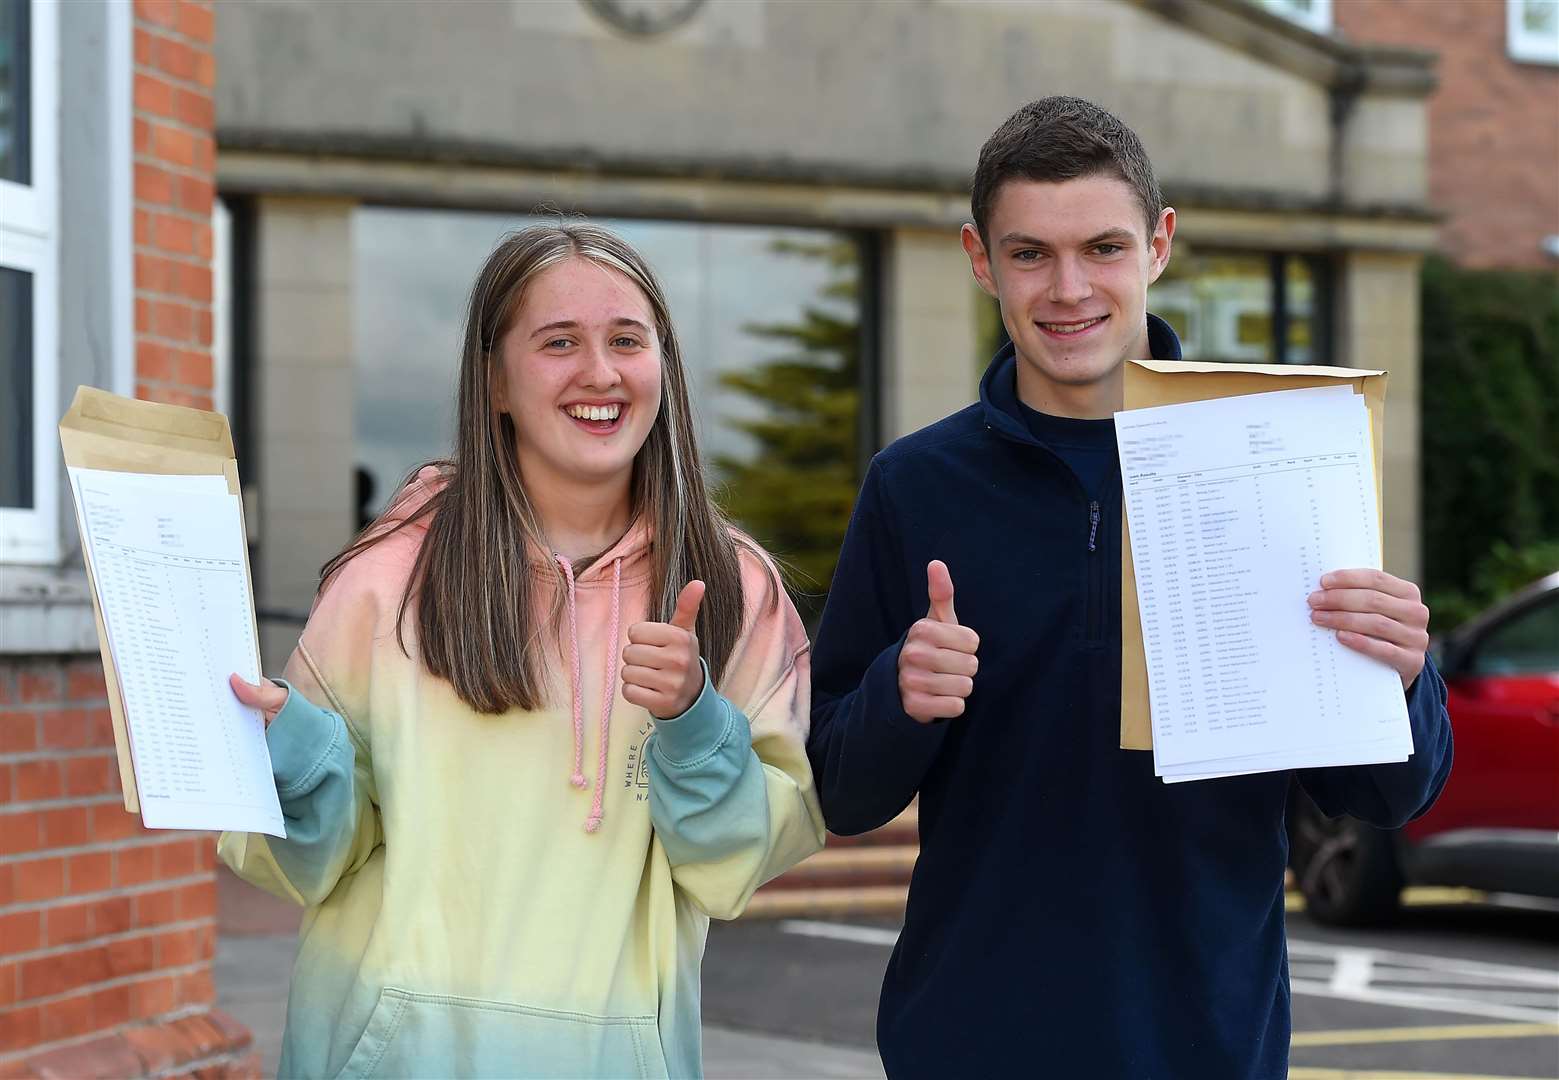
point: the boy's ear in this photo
(1161, 243)
(979, 258)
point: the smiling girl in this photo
(547, 717)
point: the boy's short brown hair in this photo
(1062, 138)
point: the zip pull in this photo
(1093, 525)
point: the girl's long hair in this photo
(476, 600)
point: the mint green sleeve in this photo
(324, 783)
(731, 798)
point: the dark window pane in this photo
(1301, 293)
(15, 92)
(16, 419)
(1526, 645)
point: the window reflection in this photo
(1248, 308)
(770, 324)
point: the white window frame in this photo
(1318, 18)
(29, 241)
(1524, 45)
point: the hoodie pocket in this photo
(435, 1035)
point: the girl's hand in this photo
(660, 663)
(267, 697)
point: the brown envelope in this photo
(1172, 382)
(106, 431)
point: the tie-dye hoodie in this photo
(473, 910)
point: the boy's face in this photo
(1070, 263)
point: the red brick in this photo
(196, 988)
(154, 186)
(67, 827)
(110, 821)
(21, 931)
(20, 832)
(7, 783)
(95, 775)
(111, 1007)
(176, 58)
(153, 361)
(65, 729)
(92, 872)
(38, 780)
(84, 682)
(20, 1029)
(68, 1018)
(175, 234)
(161, 12)
(135, 866)
(153, 997)
(7, 685)
(39, 879)
(131, 956)
(194, 369)
(195, 109)
(196, 21)
(68, 924)
(18, 732)
(155, 96)
(153, 1047)
(40, 684)
(180, 948)
(100, 728)
(113, 915)
(10, 993)
(108, 1056)
(205, 70)
(181, 859)
(198, 901)
(7, 885)
(173, 145)
(143, 228)
(62, 973)
(173, 320)
(155, 908)
(142, 130)
(203, 241)
(143, 47)
(195, 282)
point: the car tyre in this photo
(1346, 870)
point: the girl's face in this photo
(580, 374)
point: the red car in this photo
(1496, 824)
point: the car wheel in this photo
(1346, 870)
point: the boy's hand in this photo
(267, 697)
(937, 663)
(1375, 614)
(660, 663)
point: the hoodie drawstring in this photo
(608, 692)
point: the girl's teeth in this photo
(595, 412)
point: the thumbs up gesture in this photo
(660, 663)
(937, 663)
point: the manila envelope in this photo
(106, 431)
(1173, 382)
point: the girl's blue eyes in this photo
(616, 343)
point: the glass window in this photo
(1532, 30)
(770, 321)
(1527, 644)
(16, 417)
(1248, 308)
(1312, 14)
(15, 92)
(29, 260)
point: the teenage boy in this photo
(1070, 915)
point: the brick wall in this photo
(1493, 126)
(107, 930)
(175, 155)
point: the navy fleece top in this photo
(1070, 914)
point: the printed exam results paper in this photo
(1237, 506)
(168, 556)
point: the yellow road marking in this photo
(1375, 1074)
(1417, 896)
(1422, 1034)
